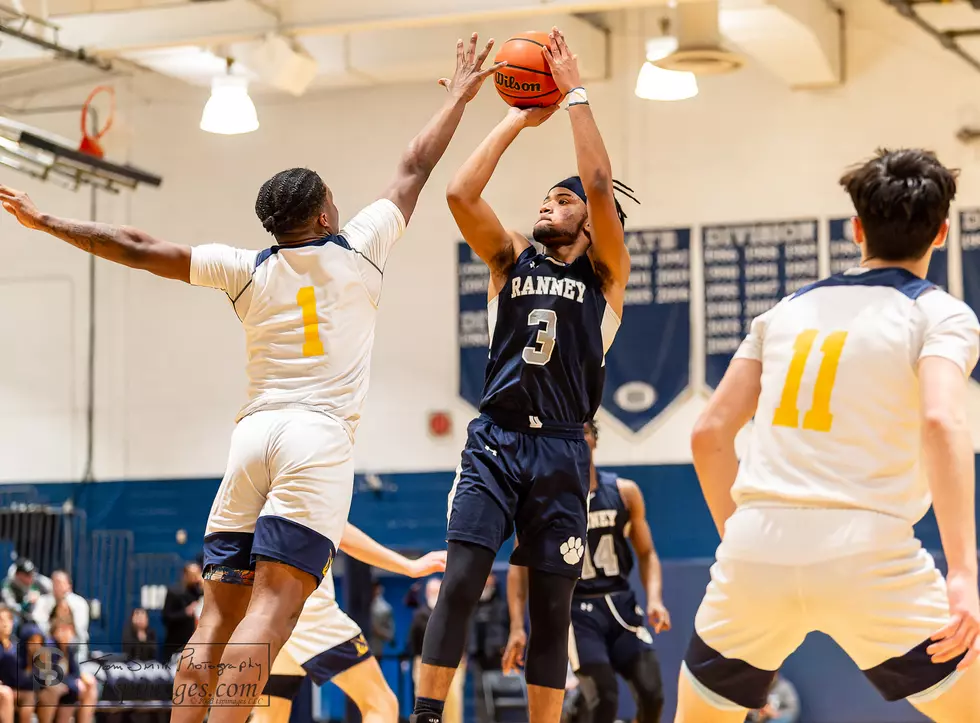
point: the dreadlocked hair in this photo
(290, 199)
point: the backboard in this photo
(49, 157)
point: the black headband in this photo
(574, 184)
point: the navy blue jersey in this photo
(608, 556)
(546, 344)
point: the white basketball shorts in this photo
(325, 642)
(285, 495)
(857, 576)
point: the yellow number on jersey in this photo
(306, 299)
(819, 418)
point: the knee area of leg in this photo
(383, 702)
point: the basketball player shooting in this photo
(858, 386)
(309, 306)
(526, 463)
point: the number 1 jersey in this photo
(838, 419)
(308, 311)
(550, 328)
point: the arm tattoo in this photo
(104, 240)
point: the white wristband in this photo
(576, 96)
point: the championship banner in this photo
(748, 268)
(844, 253)
(649, 363)
(474, 337)
(970, 243)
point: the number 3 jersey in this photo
(309, 312)
(550, 328)
(608, 557)
(838, 419)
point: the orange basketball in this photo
(526, 80)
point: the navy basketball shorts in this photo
(535, 484)
(608, 630)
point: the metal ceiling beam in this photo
(228, 21)
(17, 24)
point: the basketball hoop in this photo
(90, 144)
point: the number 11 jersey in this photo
(309, 312)
(550, 328)
(838, 419)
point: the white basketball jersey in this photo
(837, 424)
(309, 312)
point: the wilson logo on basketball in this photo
(510, 83)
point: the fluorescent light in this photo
(655, 83)
(229, 110)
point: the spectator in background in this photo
(77, 692)
(8, 665)
(31, 642)
(62, 595)
(139, 639)
(489, 630)
(382, 621)
(23, 588)
(180, 610)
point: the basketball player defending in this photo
(609, 634)
(858, 386)
(526, 463)
(308, 305)
(329, 646)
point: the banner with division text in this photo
(748, 268)
(844, 253)
(649, 363)
(970, 243)
(474, 337)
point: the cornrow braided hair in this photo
(290, 199)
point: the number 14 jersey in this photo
(550, 328)
(309, 312)
(838, 419)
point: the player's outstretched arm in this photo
(713, 440)
(948, 456)
(517, 584)
(609, 252)
(123, 244)
(362, 547)
(651, 572)
(477, 222)
(428, 147)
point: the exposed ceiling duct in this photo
(699, 42)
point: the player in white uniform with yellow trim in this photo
(327, 645)
(857, 384)
(308, 306)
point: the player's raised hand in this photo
(962, 634)
(564, 65)
(470, 74)
(429, 564)
(658, 616)
(513, 659)
(533, 117)
(20, 206)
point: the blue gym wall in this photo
(408, 513)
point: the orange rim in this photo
(112, 111)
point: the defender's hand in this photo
(658, 616)
(465, 84)
(532, 117)
(514, 652)
(428, 564)
(564, 65)
(21, 207)
(962, 634)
